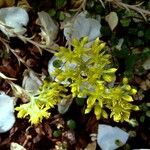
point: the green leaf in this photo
(148, 113)
(148, 104)
(60, 3)
(57, 63)
(57, 133)
(125, 22)
(142, 119)
(71, 124)
(52, 12)
(130, 13)
(61, 15)
(140, 33)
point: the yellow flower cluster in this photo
(88, 68)
(50, 93)
(87, 71)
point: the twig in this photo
(82, 6)
(8, 48)
(102, 3)
(39, 46)
(136, 8)
(30, 40)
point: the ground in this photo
(133, 27)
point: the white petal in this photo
(107, 136)
(82, 26)
(7, 123)
(49, 29)
(7, 118)
(31, 82)
(51, 69)
(13, 18)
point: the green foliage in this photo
(125, 22)
(140, 33)
(57, 133)
(57, 63)
(145, 109)
(60, 3)
(71, 124)
(132, 58)
(52, 12)
(148, 113)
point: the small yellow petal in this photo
(108, 78)
(87, 110)
(125, 80)
(133, 91)
(127, 87)
(111, 70)
(97, 111)
(128, 98)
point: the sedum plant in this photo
(49, 94)
(88, 72)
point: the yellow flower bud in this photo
(133, 91)
(127, 87)
(127, 98)
(125, 80)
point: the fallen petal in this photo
(49, 29)
(108, 136)
(7, 118)
(82, 26)
(13, 20)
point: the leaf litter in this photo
(27, 46)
